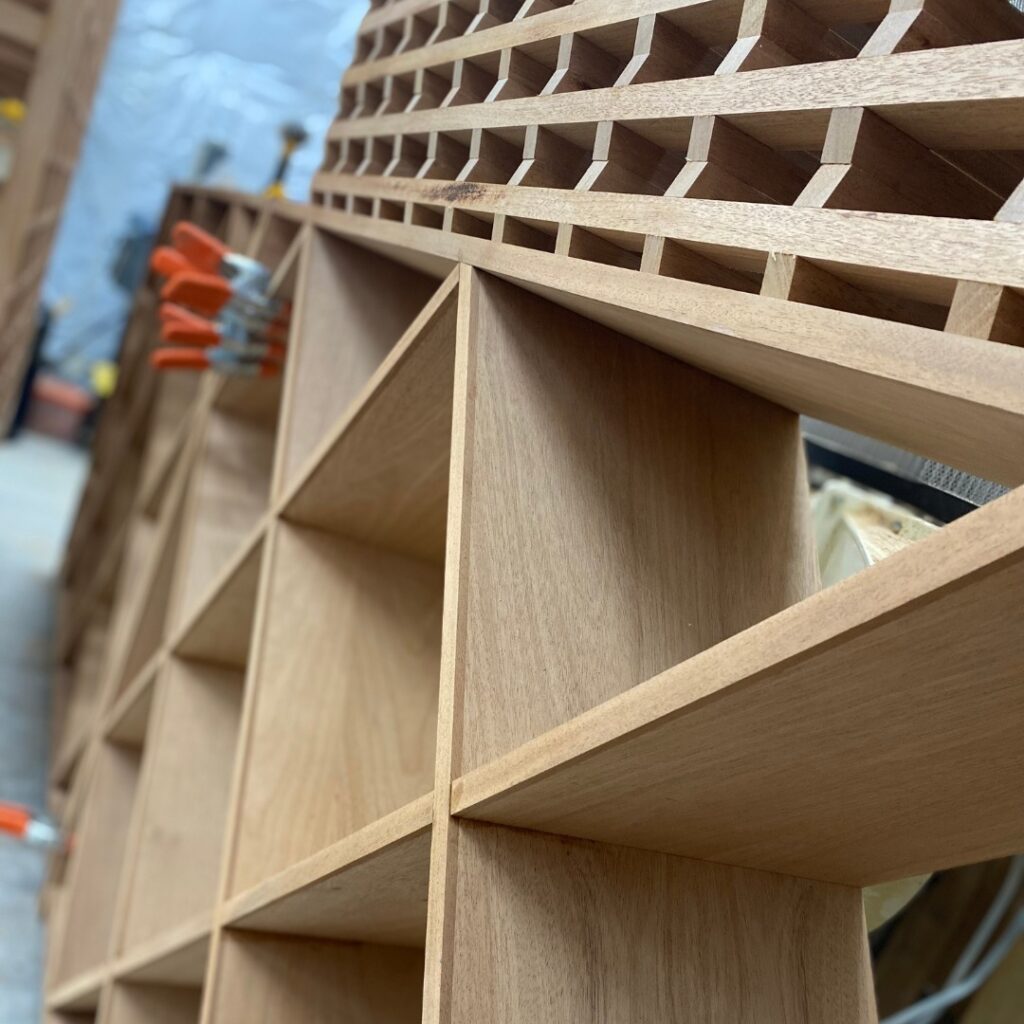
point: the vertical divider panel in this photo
(555, 417)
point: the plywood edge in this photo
(961, 553)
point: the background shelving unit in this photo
(479, 669)
(51, 54)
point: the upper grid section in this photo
(907, 107)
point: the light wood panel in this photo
(867, 734)
(96, 865)
(191, 752)
(368, 887)
(346, 685)
(552, 929)
(953, 399)
(627, 513)
(152, 1004)
(221, 628)
(343, 329)
(382, 475)
(276, 979)
(228, 495)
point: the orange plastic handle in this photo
(199, 247)
(204, 293)
(166, 262)
(187, 332)
(14, 819)
(172, 313)
(179, 359)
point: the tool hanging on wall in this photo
(216, 305)
(293, 135)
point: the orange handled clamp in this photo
(166, 262)
(205, 293)
(21, 823)
(200, 248)
(206, 359)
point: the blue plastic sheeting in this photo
(181, 73)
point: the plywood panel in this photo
(626, 513)
(557, 930)
(345, 697)
(265, 979)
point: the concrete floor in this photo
(39, 486)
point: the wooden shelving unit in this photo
(51, 55)
(479, 670)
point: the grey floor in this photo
(39, 484)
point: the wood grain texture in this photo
(345, 698)
(381, 475)
(867, 734)
(185, 804)
(152, 1004)
(622, 505)
(95, 869)
(264, 980)
(343, 330)
(952, 97)
(888, 246)
(552, 929)
(953, 399)
(369, 887)
(220, 629)
(228, 496)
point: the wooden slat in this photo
(898, 248)
(946, 98)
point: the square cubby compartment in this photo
(345, 676)
(621, 513)
(229, 489)
(88, 911)
(136, 1003)
(351, 308)
(171, 878)
(283, 978)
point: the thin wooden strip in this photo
(579, 17)
(900, 243)
(950, 96)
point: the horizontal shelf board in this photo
(954, 399)
(382, 474)
(712, 21)
(81, 993)
(369, 887)
(220, 628)
(948, 98)
(889, 243)
(126, 721)
(177, 957)
(869, 733)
